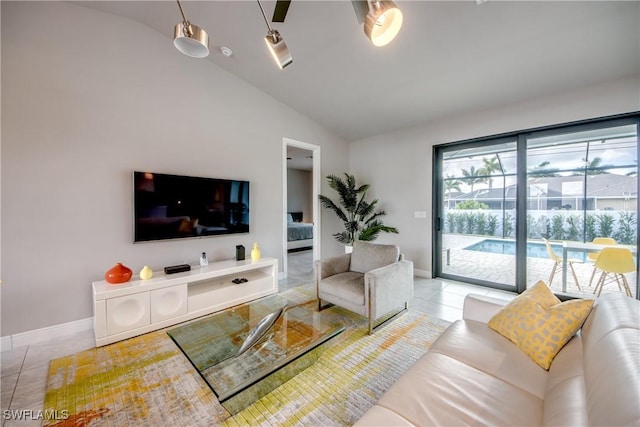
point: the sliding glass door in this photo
(538, 205)
(477, 212)
(582, 186)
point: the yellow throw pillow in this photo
(539, 324)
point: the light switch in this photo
(419, 214)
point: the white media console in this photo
(140, 306)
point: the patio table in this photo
(585, 247)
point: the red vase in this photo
(118, 274)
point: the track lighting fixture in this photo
(190, 39)
(383, 22)
(276, 44)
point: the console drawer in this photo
(127, 312)
(168, 303)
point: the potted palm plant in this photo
(360, 218)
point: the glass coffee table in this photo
(296, 338)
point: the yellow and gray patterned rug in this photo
(147, 380)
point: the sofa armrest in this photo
(328, 267)
(481, 308)
(389, 287)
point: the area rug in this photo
(147, 380)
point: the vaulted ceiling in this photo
(450, 58)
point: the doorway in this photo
(301, 177)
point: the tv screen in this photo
(174, 206)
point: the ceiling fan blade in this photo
(280, 11)
(361, 8)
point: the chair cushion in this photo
(347, 286)
(369, 256)
(539, 324)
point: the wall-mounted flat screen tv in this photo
(174, 206)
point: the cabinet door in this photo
(168, 303)
(127, 313)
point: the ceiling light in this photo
(276, 44)
(278, 48)
(190, 39)
(383, 22)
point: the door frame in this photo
(315, 185)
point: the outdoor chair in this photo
(374, 280)
(558, 264)
(593, 256)
(616, 261)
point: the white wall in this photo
(299, 193)
(82, 108)
(398, 165)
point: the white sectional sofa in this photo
(472, 375)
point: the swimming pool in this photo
(534, 249)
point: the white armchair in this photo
(374, 280)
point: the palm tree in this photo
(542, 171)
(594, 167)
(361, 220)
(450, 184)
(489, 166)
(473, 176)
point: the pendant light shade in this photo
(278, 48)
(193, 42)
(276, 44)
(383, 22)
(190, 39)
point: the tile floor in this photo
(24, 370)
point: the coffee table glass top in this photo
(212, 343)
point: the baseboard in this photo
(422, 273)
(24, 339)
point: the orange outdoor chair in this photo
(558, 264)
(593, 256)
(616, 261)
